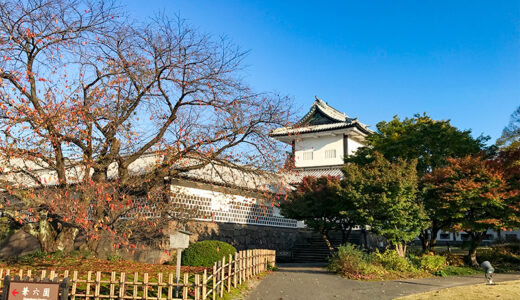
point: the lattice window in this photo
(330, 154)
(143, 207)
(307, 155)
(239, 212)
(201, 207)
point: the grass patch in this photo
(458, 271)
(502, 290)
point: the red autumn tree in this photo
(96, 112)
(474, 196)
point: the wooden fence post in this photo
(250, 264)
(112, 284)
(136, 280)
(236, 270)
(74, 285)
(256, 261)
(239, 267)
(98, 285)
(223, 276)
(273, 258)
(204, 284)
(159, 285)
(215, 275)
(229, 272)
(170, 285)
(264, 259)
(185, 284)
(246, 254)
(197, 287)
(253, 265)
(89, 279)
(145, 286)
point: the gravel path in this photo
(311, 281)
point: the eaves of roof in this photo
(318, 128)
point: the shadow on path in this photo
(313, 281)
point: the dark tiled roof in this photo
(298, 174)
(337, 120)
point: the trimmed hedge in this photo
(206, 253)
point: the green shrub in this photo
(114, 257)
(431, 263)
(271, 267)
(392, 261)
(353, 263)
(454, 259)
(39, 254)
(509, 248)
(81, 254)
(206, 253)
(501, 259)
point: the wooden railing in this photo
(229, 272)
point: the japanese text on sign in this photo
(20, 290)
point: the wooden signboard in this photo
(27, 290)
(35, 289)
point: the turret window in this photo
(307, 155)
(330, 154)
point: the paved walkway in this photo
(311, 281)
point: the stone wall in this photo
(18, 244)
(243, 236)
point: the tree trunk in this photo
(53, 239)
(365, 237)
(325, 236)
(425, 240)
(473, 256)
(345, 233)
(433, 238)
(400, 248)
(476, 239)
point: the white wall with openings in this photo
(326, 151)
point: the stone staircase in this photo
(314, 249)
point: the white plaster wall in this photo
(223, 207)
(493, 233)
(318, 145)
(353, 146)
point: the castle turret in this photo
(322, 139)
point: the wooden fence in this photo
(229, 272)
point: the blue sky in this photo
(457, 60)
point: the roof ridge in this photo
(328, 110)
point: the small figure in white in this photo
(36, 292)
(46, 292)
(25, 291)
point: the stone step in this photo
(310, 258)
(311, 248)
(314, 248)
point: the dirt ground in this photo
(300, 282)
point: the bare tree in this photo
(104, 110)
